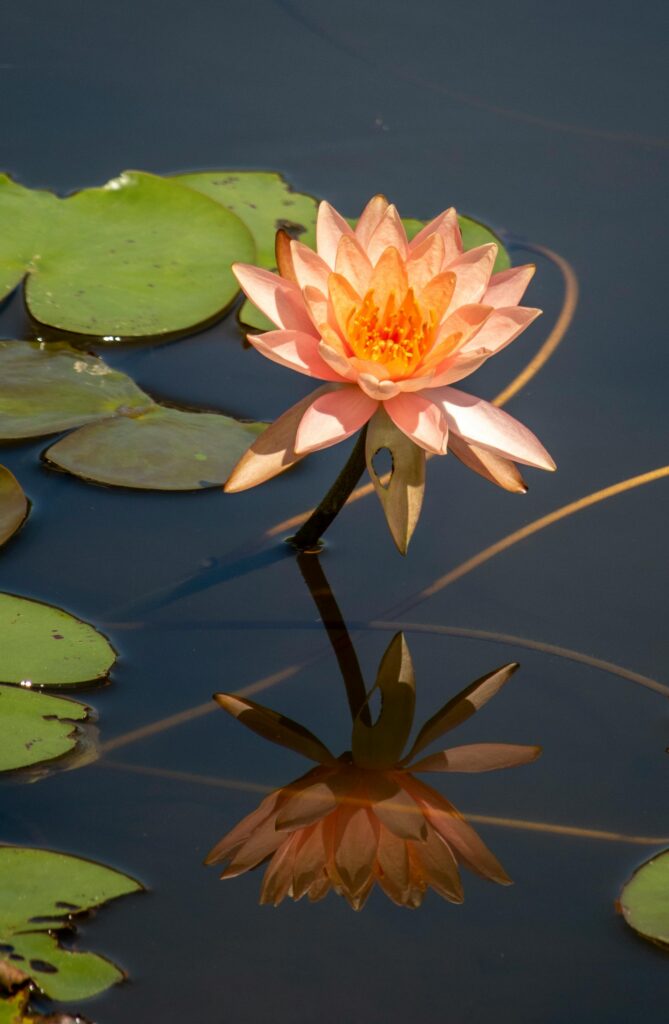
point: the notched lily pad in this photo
(35, 727)
(54, 387)
(141, 256)
(44, 646)
(161, 449)
(265, 201)
(644, 900)
(13, 505)
(40, 892)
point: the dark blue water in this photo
(548, 123)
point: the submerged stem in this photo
(309, 534)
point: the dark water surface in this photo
(546, 121)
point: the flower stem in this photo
(309, 534)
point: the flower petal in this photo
(461, 707)
(278, 878)
(310, 269)
(305, 807)
(344, 301)
(334, 356)
(370, 218)
(446, 225)
(472, 270)
(438, 866)
(356, 840)
(456, 833)
(330, 226)
(389, 231)
(296, 350)
(437, 294)
(260, 845)
(401, 815)
(309, 861)
(332, 417)
(508, 287)
(379, 390)
(477, 757)
(484, 425)
(353, 264)
(284, 258)
(421, 419)
(388, 278)
(454, 333)
(425, 261)
(236, 838)
(501, 328)
(275, 727)
(392, 866)
(278, 299)
(492, 467)
(273, 451)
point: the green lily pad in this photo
(44, 646)
(161, 449)
(474, 234)
(41, 890)
(127, 439)
(644, 900)
(141, 256)
(265, 202)
(13, 505)
(35, 727)
(15, 1009)
(50, 388)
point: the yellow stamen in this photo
(397, 336)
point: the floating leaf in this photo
(49, 388)
(35, 727)
(644, 900)
(161, 449)
(40, 890)
(140, 256)
(265, 202)
(14, 1009)
(44, 646)
(401, 496)
(380, 746)
(13, 505)
(127, 439)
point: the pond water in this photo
(546, 123)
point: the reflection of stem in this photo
(308, 536)
(342, 645)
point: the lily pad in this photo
(46, 389)
(127, 439)
(35, 727)
(15, 1009)
(44, 646)
(644, 900)
(141, 256)
(161, 449)
(13, 505)
(265, 202)
(40, 891)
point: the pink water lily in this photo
(392, 324)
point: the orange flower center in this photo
(397, 336)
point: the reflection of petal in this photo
(477, 757)
(275, 727)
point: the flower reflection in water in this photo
(364, 817)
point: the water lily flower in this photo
(389, 326)
(364, 818)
